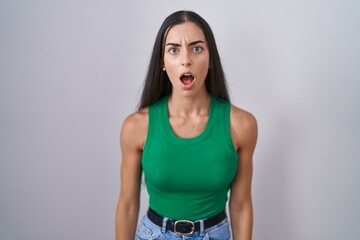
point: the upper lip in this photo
(187, 73)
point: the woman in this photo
(191, 143)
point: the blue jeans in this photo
(147, 230)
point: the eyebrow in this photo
(190, 44)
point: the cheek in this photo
(205, 63)
(171, 72)
(169, 59)
(171, 67)
(205, 59)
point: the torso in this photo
(177, 169)
(187, 129)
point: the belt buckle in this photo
(184, 227)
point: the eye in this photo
(197, 49)
(173, 50)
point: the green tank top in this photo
(189, 178)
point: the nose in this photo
(186, 59)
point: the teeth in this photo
(187, 75)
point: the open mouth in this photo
(187, 79)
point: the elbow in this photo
(127, 206)
(239, 206)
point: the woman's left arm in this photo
(244, 134)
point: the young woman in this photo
(191, 143)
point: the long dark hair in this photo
(157, 83)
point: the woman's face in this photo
(186, 59)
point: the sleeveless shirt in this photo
(189, 178)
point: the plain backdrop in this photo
(71, 71)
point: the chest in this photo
(188, 127)
(175, 168)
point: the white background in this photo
(71, 71)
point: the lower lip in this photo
(188, 86)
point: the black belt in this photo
(185, 227)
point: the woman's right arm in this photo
(132, 139)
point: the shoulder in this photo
(134, 128)
(244, 128)
(135, 120)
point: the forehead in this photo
(188, 31)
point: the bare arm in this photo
(244, 134)
(132, 138)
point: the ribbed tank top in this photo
(189, 178)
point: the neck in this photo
(189, 105)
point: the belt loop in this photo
(201, 228)
(164, 224)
